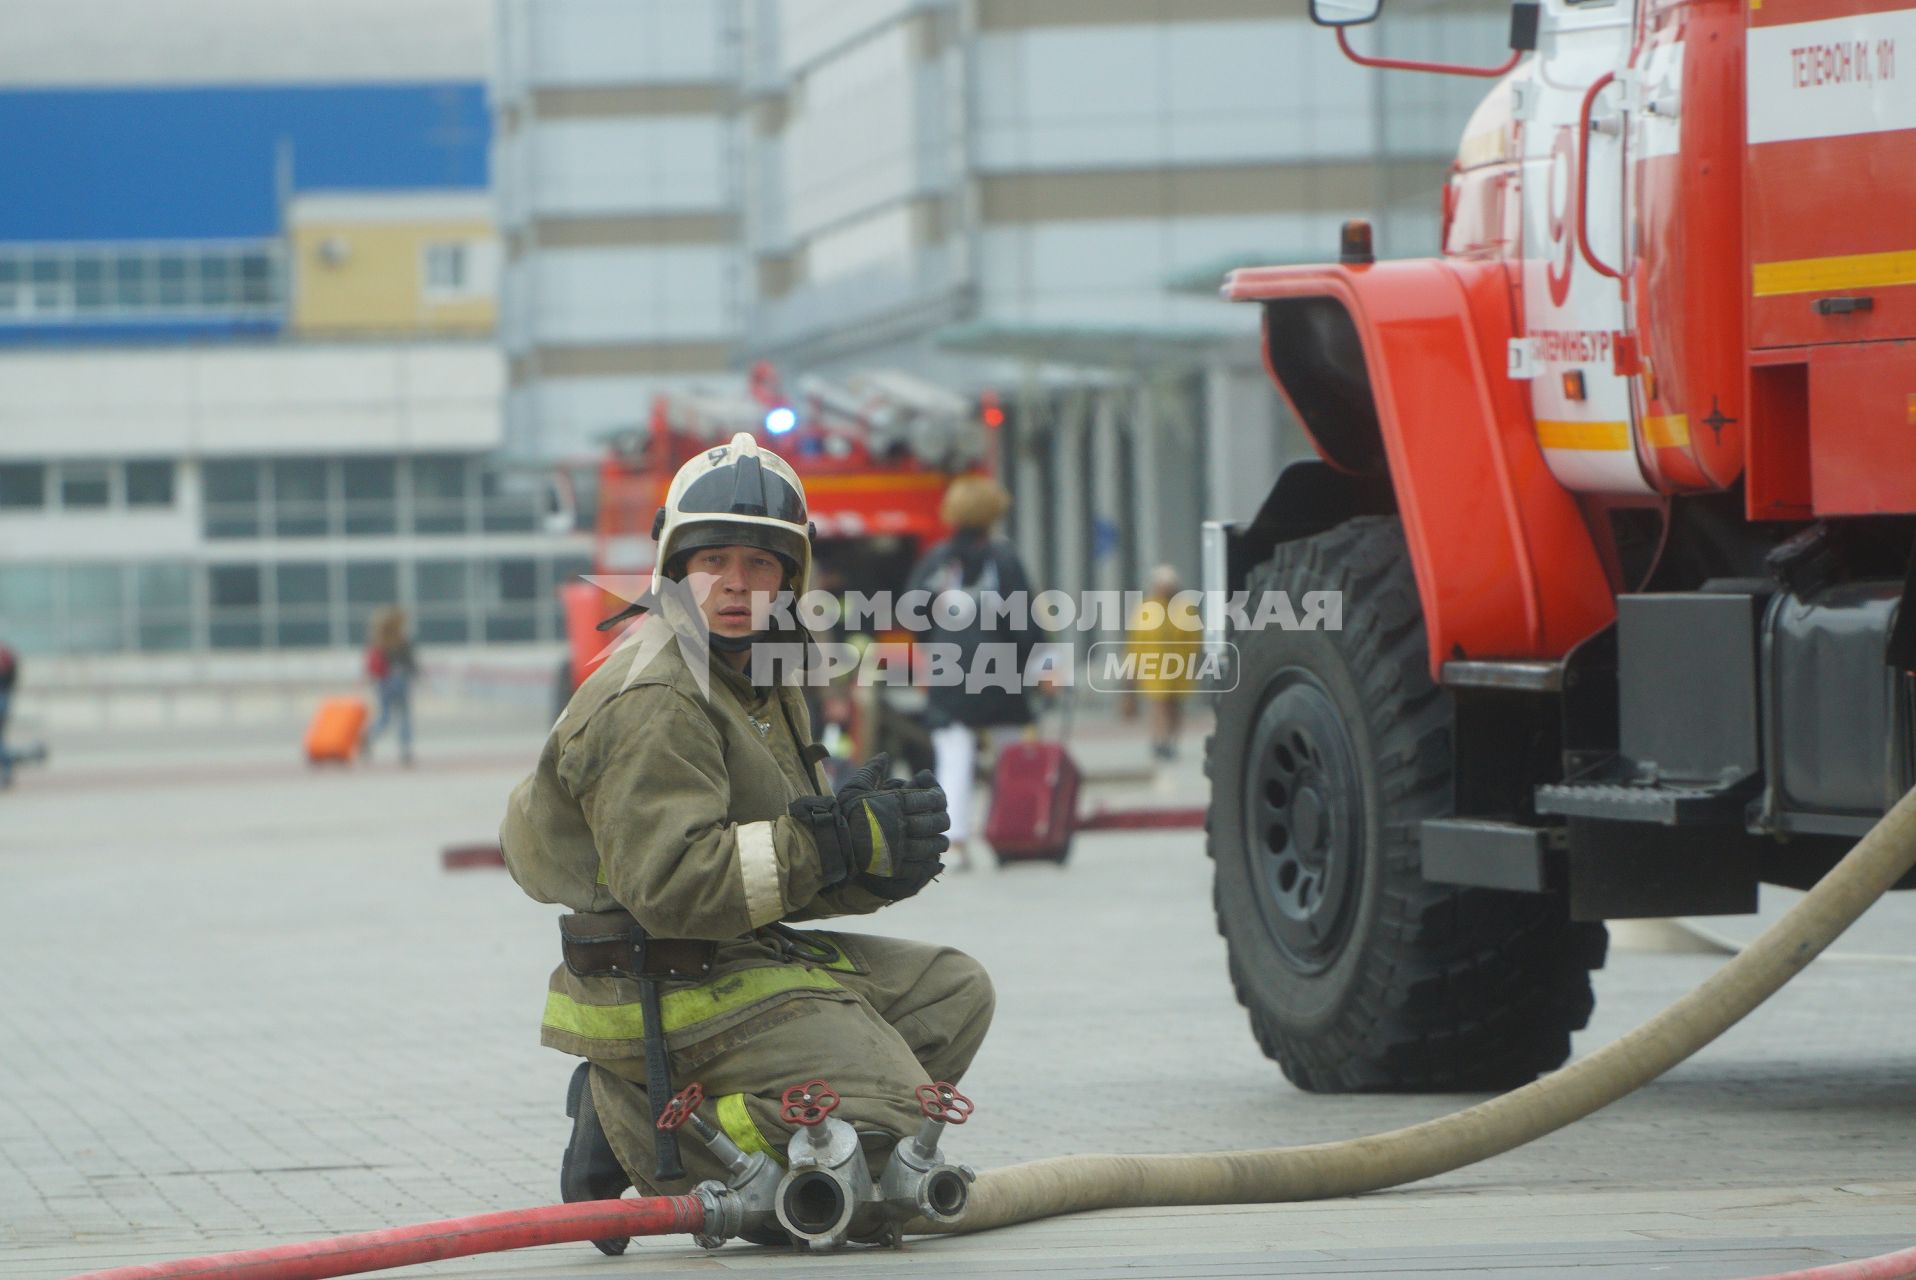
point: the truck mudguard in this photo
(1402, 365)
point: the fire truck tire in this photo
(1335, 744)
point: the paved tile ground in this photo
(243, 1004)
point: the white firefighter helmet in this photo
(736, 494)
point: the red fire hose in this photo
(433, 1241)
(1900, 1265)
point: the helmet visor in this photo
(743, 489)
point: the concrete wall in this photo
(615, 156)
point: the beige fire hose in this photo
(1073, 1184)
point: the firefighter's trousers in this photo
(919, 1014)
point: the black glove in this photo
(882, 835)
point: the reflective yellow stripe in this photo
(740, 1127)
(682, 1008)
(1613, 436)
(601, 879)
(1851, 271)
(1672, 432)
(881, 856)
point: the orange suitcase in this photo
(335, 731)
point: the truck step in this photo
(1663, 804)
(1491, 854)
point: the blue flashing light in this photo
(780, 420)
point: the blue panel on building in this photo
(157, 164)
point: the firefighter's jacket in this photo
(652, 797)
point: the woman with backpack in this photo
(391, 665)
(977, 564)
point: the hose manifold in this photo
(920, 1182)
(826, 1194)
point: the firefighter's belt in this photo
(610, 944)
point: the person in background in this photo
(391, 665)
(1163, 649)
(9, 672)
(974, 562)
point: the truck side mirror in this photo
(1345, 13)
(1524, 16)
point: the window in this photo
(242, 631)
(163, 607)
(442, 589)
(448, 269)
(232, 491)
(235, 619)
(256, 282)
(299, 497)
(369, 478)
(217, 288)
(159, 587)
(22, 485)
(90, 289)
(439, 489)
(509, 596)
(304, 594)
(149, 484)
(371, 488)
(371, 585)
(94, 614)
(234, 586)
(85, 485)
(170, 272)
(110, 281)
(50, 290)
(441, 583)
(129, 282)
(510, 501)
(302, 585)
(29, 601)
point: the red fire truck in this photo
(1620, 495)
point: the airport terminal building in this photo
(251, 385)
(302, 308)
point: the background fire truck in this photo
(1619, 492)
(876, 453)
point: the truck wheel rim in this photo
(1303, 822)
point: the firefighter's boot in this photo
(589, 1170)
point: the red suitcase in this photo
(335, 731)
(1034, 803)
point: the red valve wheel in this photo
(941, 1101)
(809, 1103)
(680, 1109)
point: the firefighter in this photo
(677, 811)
